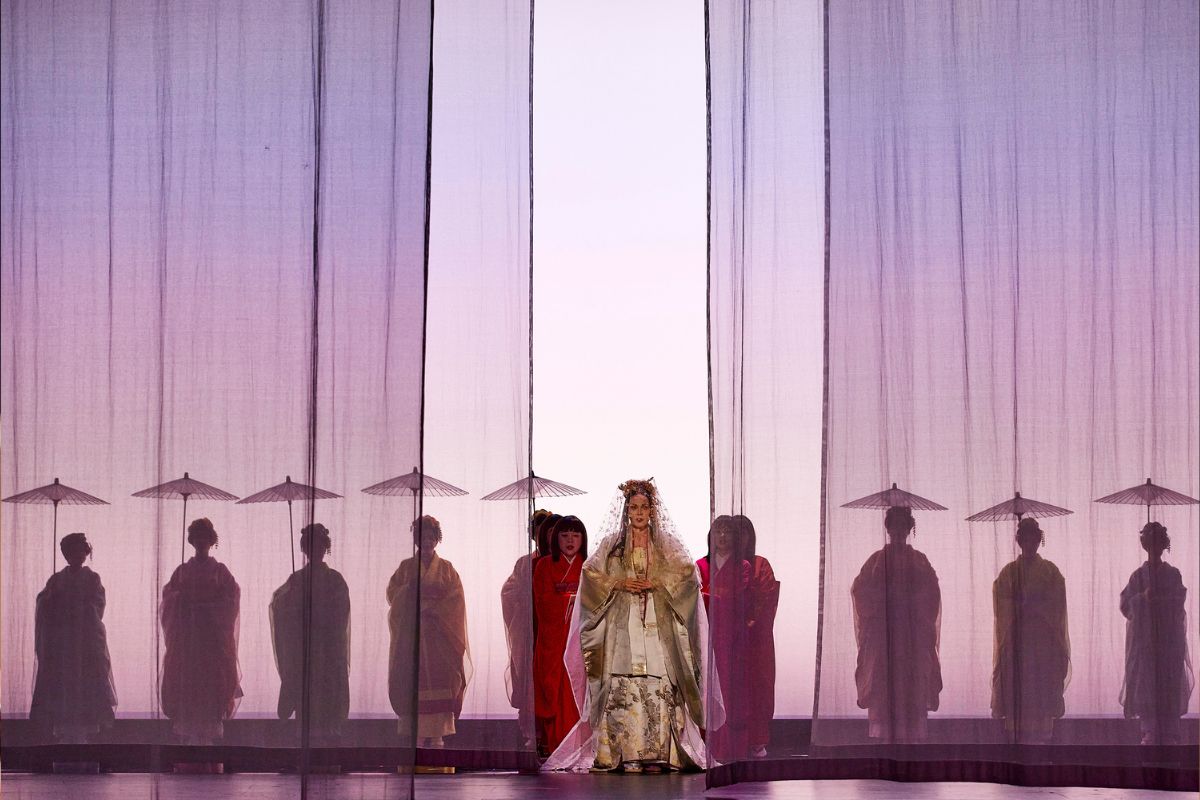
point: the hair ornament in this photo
(636, 486)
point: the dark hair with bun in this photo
(317, 534)
(202, 529)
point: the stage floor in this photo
(510, 786)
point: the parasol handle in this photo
(291, 534)
(54, 539)
(183, 530)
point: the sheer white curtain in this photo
(213, 261)
(1012, 307)
(477, 383)
(765, 306)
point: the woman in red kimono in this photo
(761, 605)
(724, 585)
(200, 675)
(555, 583)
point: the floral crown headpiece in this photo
(631, 487)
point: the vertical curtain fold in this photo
(1012, 308)
(765, 280)
(214, 261)
(1010, 286)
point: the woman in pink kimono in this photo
(1158, 674)
(897, 620)
(200, 674)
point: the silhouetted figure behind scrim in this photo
(724, 586)
(328, 641)
(762, 603)
(1032, 654)
(897, 615)
(1158, 675)
(73, 692)
(444, 661)
(201, 681)
(516, 606)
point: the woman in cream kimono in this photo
(637, 647)
(444, 661)
(1032, 658)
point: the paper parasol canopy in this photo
(412, 483)
(288, 492)
(1017, 507)
(520, 489)
(56, 493)
(895, 497)
(416, 485)
(1148, 494)
(184, 488)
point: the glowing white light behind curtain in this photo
(620, 363)
(619, 254)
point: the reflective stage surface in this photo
(511, 786)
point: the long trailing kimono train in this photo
(725, 588)
(200, 675)
(764, 601)
(1032, 654)
(516, 607)
(328, 646)
(444, 661)
(1158, 676)
(555, 584)
(897, 620)
(636, 668)
(73, 692)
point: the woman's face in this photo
(723, 539)
(569, 542)
(639, 512)
(429, 538)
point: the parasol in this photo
(286, 492)
(895, 497)
(185, 487)
(532, 486)
(414, 483)
(1016, 508)
(56, 493)
(1150, 495)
